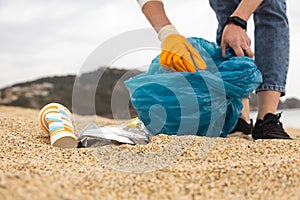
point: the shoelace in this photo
(273, 125)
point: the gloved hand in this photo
(177, 53)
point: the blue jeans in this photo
(272, 40)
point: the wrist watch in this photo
(237, 21)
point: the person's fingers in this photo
(168, 61)
(223, 47)
(249, 52)
(171, 62)
(178, 63)
(189, 66)
(238, 50)
(249, 42)
(188, 63)
(177, 55)
(247, 49)
(163, 59)
(175, 60)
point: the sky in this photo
(46, 38)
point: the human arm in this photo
(155, 13)
(177, 53)
(236, 37)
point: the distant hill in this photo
(36, 94)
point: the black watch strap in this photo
(237, 21)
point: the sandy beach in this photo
(169, 167)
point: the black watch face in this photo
(238, 21)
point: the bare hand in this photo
(236, 38)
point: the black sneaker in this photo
(269, 128)
(243, 126)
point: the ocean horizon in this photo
(290, 117)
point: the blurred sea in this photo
(289, 117)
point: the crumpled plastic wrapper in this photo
(129, 132)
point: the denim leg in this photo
(223, 9)
(271, 39)
(272, 44)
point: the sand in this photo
(167, 168)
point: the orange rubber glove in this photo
(177, 53)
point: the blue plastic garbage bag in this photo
(204, 103)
